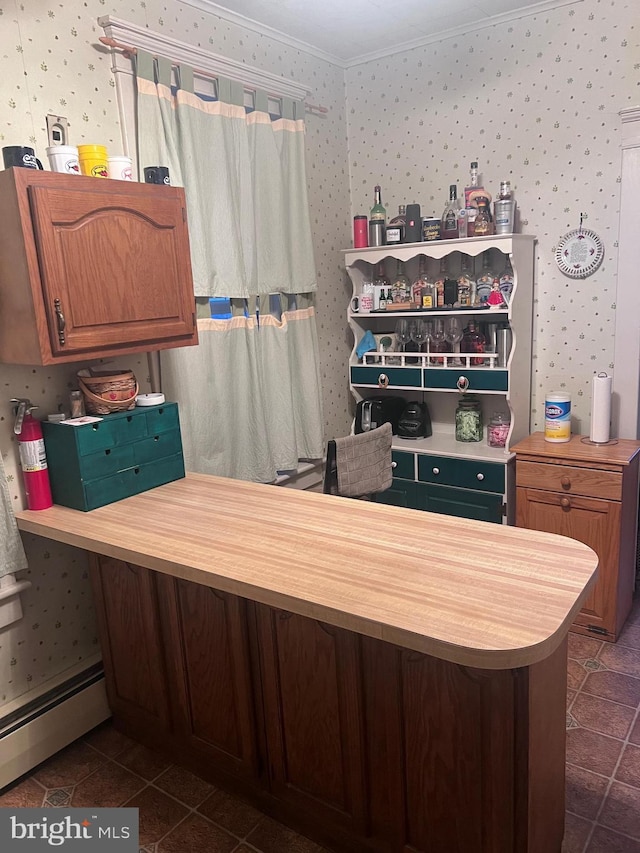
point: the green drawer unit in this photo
(479, 380)
(405, 467)
(464, 473)
(126, 453)
(462, 503)
(400, 377)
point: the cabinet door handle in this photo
(57, 305)
(566, 482)
(565, 502)
(436, 470)
(394, 464)
(480, 477)
(383, 380)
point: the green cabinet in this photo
(466, 488)
(125, 453)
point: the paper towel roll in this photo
(600, 408)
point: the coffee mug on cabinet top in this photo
(362, 304)
(19, 155)
(64, 158)
(93, 160)
(156, 175)
(120, 168)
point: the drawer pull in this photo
(565, 502)
(480, 477)
(383, 380)
(462, 383)
(394, 464)
(565, 482)
(436, 470)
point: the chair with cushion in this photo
(359, 465)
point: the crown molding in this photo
(469, 27)
(463, 29)
(264, 30)
(211, 63)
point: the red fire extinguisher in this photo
(33, 459)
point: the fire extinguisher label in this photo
(32, 455)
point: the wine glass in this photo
(453, 333)
(438, 341)
(418, 332)
(403, 336)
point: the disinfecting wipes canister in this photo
(557, 417)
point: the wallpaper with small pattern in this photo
(534, 101)
(51, 62)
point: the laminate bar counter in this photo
(382, 679)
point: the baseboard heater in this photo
(39, 727)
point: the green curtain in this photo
(249, 394)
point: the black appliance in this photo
(415, 421)
(375, 411)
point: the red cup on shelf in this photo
(360, 232)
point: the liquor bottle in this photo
(473, 341)
(400, 287)
(484, 280)
(474, 184)
(378, 212)
(483, 224)
(450, 215)
(443, 276)
(506, 281)
(395, 228)
(428, 295)
(377, 220)
(466, 284)
(504, 210)
(419, 283)
(381, 276)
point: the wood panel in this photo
(591, 482)
(594, 522)
(115, 254)
(132, 649)
(208, 658)
(313, 716)
(479, 594)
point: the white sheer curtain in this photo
(249, 394)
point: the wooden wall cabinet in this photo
(91, 268)
(590, 493)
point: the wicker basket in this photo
(105, 391)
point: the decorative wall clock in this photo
(579, 253)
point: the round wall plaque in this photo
(579, 253)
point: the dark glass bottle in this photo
(473, 341)
(449, 229)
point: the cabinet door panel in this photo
(127, 612)
(208, 656)
(400, 493)
(312, 702)
(462, 503)
(594, 522)
(109, 291)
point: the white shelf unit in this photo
(415, 376)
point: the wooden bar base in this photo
(355, 742)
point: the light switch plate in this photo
(57, 130)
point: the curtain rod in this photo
(128, 50)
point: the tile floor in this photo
(179, 812)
